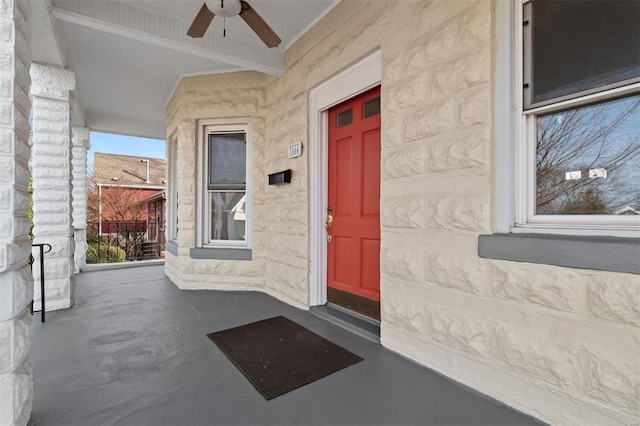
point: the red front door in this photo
(353, 216)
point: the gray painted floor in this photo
(134, 351)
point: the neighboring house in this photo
(123, 183)
(125, 201)
(422, 146)
(156, 204)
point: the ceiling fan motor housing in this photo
(224, 8)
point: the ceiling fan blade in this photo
(201, 22)
(258, 25)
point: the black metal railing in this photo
(121, 241)
(32, 259)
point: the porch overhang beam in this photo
(240, 54)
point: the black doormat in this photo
(278, 355)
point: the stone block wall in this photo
(200, 98)
(52, 176)
(558, 343)
(16, 282)
(80, 142)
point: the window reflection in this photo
(588, 160)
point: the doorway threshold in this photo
(359, 324)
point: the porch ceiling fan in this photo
(228, 9)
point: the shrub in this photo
(104, 250)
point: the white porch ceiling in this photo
(128, 55)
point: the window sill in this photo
(615, 254)
(221, 253)
(171, 247)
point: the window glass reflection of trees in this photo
(588, 159)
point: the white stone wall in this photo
(205, 97)
(81, 143)
(16, 282)
(558, 343)
(51, 163)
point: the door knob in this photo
(329, 221)
(327, 224)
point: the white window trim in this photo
(515, 150)
(206, 127)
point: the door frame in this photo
(358, 78)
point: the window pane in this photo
(227, 159)
(588, 159)
(228, 215)
(582, 45)
(345, 118)
(371, 107)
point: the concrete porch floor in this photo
(134, 350)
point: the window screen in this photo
(577, 47)
(227, 160)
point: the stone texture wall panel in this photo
(437, 12)
(408, 265)
(21, 99)
(392, 130)
(16, 284)
(395, 68)
(51, 177)
(459, 213)
(475, 28)
(463, 333)
(14, 172)
(16, 292)
(553, 289)
(17, 335)
(428, 122)
(16, 395)
(403, 213)
(286, 277)
(14, 255)
(439, 44)
(537, 357)
(466, 151)
(616, 384)
(616, 300)
(50, 144)
(408, 315)
(461, 74)
(466, 274)
(405, 162)
(473, 109)
(227, 268)
(12, 227)
(15, 145)
(409, 93)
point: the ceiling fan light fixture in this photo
(224, 8)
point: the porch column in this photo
(51, 162)
(80, 142)
(16, 282)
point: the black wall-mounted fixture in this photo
(280, 177)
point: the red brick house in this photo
(121, 184)
(156, 204)
(125, 201)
